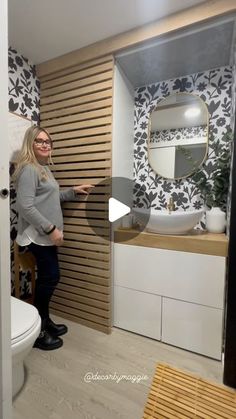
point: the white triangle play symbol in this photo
(117, 209)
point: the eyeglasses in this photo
(39, 142)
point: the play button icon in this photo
(117, 209)
(109, 201)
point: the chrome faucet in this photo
(171, 206)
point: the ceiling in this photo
(188, 52)
(45, 29)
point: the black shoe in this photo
(47, 342)
(56, 329)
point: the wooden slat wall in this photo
(76, 108)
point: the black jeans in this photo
(47, 278)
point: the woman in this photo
(40, 224)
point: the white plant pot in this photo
(215, 220)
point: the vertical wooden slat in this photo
(76, 108)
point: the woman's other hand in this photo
(56, 237)
(84, 189)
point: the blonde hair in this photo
(26, 154)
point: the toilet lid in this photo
(24, 317)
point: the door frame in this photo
(229, 375)
(5, 279)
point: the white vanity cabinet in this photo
(173, 296)
(195, 327)
(137, 311)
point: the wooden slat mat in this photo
(176, 394)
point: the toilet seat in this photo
(24, 318)
(25, 328)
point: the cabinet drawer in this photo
(193, 327)
(137, 311)
(186, 276)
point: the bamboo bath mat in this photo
(175, 394)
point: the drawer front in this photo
(186, 276)
(193, 327)
(137, 312)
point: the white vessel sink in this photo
(165, 222)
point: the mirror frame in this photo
(207, 142)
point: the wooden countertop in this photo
(195, 242)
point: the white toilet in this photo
(25, 328)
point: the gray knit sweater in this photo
(39, 203)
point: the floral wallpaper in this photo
(214, 88)
(23, 99)
(23, 87)
(196, 133)
(232, 123)
(233, 109)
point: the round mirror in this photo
(178, 135)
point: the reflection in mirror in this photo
(178, 135)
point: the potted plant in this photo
(214, 186)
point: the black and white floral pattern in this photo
(214, 88)
(175, 134)
(23, 99)
(233, 111)
(23, 88)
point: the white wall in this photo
(123, 136)
(5, 313)
(123, 126)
